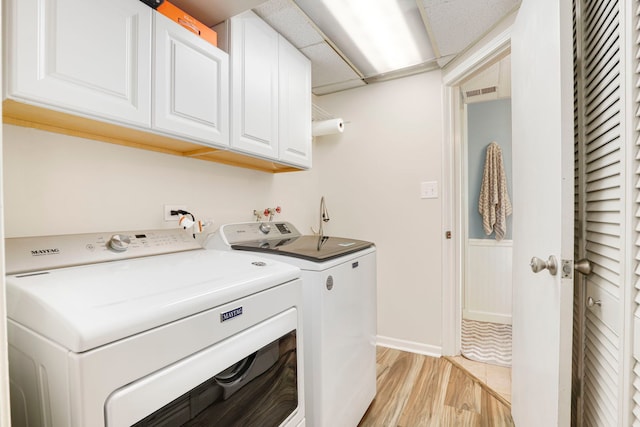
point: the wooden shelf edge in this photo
(235, 159)
(26, 115)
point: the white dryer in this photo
(147, 328)
(339, 312)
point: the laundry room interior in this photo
(85, 186)
(405, 172)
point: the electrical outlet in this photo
(169, 208)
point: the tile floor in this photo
(498, 378)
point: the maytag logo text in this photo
(228, 315)
(41, 252)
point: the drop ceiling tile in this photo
(368, 64)
(327, 67)
(456, 24)
(288, 20)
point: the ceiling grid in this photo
(442, 29)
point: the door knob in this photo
(583, 266)
(537, 265)
(591, 302)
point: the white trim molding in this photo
(492, 47)
(410, 346)
(496, 44)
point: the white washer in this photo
(148, 328)
(339, 288)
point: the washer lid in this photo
(88, 306)
(312, 248)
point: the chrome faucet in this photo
(324, 217)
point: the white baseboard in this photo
(410, 346)
(482, 316)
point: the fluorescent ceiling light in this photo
(380, 31)
(377, 36)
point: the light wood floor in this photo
(416, 390)
(497, 378)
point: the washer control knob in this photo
(265, 228)
(119, 242)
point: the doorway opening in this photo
(459, 78)
(485, 239)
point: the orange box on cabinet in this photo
(187, 21)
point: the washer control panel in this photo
(29, 254)
(252, 231)
(119, 242)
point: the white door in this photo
(191, 85)
(88, 57)
(254, 86)
(542, 109)
(294, 128)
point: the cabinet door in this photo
(89, 57)
(254, 79)
(191, 85)
(295, 106)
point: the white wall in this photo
(56, 184)
(370, 175)
(371, 178)
(488, 285)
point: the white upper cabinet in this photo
(89, 57)
(121, 72)
(271, 93)
(295, 106)
(254, 84)
(191, 85)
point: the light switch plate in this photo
(429, 190)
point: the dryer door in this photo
(248, 379)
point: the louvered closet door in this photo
(635, 65)
(578, 232)
(600, 190)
